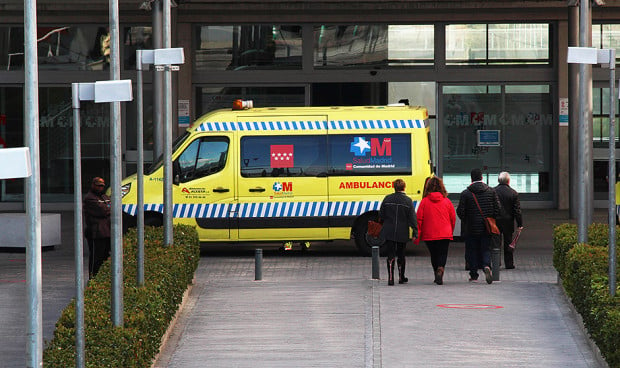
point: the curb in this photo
(595, 350)
(167, 336)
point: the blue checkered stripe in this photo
(267, 209)
(310, 125)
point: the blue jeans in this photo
(477, 253)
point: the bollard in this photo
(495, 261)
(375, 262)
(258, 264)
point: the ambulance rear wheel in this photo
(364, 242)
(153, 219)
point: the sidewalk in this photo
(326, 312)
(321, 309)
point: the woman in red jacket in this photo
(436, 219)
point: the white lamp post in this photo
(99, 92)
(160, 58)
(607, 59)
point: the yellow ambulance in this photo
(288, 174)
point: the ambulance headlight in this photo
(125, 189)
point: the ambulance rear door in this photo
(282, 184)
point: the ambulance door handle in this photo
(257, 189)
(221, 190)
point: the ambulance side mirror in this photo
(176, 169)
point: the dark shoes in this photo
(488, 276)
(510, 267)
(401, 272)
(439, 276)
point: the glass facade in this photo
(480, 44)
(498, 128)
(213, 98)
(71, 47)
(248, 47)
(269, 62)
(377, 45)
(56, 141)
(606, 36)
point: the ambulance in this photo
(288, 174)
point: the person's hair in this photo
(435, 184)
(398, 185)
(476, 175)
(503, 177)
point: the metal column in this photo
(116, 175)
(78, 232)
(33, 191)
(167, 183)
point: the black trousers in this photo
(507, 232)
(395, 249)
(439, 252)
(98, 252)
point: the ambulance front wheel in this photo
(363, 241)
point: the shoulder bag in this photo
(489, 222)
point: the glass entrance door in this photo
(497, 128)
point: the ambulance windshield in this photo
(175, 145)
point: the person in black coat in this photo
(511, 211)
(477, 240)
(97, 213)
(397, 213)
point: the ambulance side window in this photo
(203, 157)
(283, 156)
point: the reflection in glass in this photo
(600, 118)
(475, 44)
(248, 47)
(56, 141)
(606, 36)
(213, 98)
(135, 38)
(523, 115)
(63, 47)
(368, 45)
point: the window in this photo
(213, 98)
(370, 154)
(600, 117)
(373, 45)
(135, 38)
(497, 44)
(243, 47)
(203, 157)
(283, 156)
(62, 47)
(606, 36)
(524, 117)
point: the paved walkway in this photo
(322, 309)
(325, 311)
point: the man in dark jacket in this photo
(511, 211)
(97, 214)
(397, 213)
(477, 240)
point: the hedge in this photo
(583, 268)
(148, 310)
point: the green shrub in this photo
(564, 238)
(148, 310)
(583, 263)
(584, 272)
